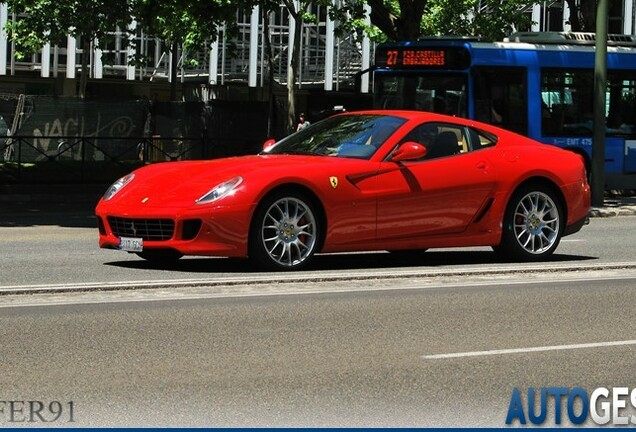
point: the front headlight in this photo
(220, 191)
(117, 186)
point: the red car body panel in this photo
(377, 204)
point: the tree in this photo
(492, 20)
(189, 24)
(299, 11)
(51, 21)
(400, 20)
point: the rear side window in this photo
(481, 139)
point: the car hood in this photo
(178, 184)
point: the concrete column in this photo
(45, 71)
(98, 66)
(4, 17)
(536, 17)
(566, 17)
(366, 52)
(628, 14)
(130, 52)
(253, 53)
(214, 62)
(329, 46)
(71, 45)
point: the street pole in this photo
(600, 86)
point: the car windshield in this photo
(353, 136)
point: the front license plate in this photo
(131, 244)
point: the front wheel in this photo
(533, 225)
(284, 233)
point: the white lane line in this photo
(528, 350)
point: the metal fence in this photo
(46, 139)
(36, 159)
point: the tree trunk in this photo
(86, 47)
(270, 74)
(292, 74)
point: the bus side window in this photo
(500, 97)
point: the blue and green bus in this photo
(537, 84)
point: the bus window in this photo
(568, 97)
(500, 97)
(443, 94)
(621, 115)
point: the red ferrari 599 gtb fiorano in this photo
(373, 180)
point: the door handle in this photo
(482, 165)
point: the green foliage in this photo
(188, 22)
(410, 19)
(51, 21)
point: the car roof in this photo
(410, 115)
(413, 115)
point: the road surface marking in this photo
(528, 350)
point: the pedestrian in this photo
(302, 122)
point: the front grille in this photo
(147, 229)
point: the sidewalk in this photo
(616, 206)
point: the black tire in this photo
(160, 256)
(533, 225)
(285, 232)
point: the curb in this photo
(266, 279)
(612, 211)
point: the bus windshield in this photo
(443, 94)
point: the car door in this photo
(439, 194)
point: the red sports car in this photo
(372, 180)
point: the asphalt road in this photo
(52, 254)
(354, 341)
(332, 359)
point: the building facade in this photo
(327, 61)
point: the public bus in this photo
(537, 84)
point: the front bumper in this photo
(223, 230)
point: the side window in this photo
(440, 139)
(480, 139)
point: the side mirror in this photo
(267, 144)
(410, 150)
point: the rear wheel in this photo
(285, 232)
(533, 225)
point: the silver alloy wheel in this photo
(289, 231)
(536, 223)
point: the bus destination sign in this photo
(396, 56)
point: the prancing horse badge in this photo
(333, 181)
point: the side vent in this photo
(484, 210)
